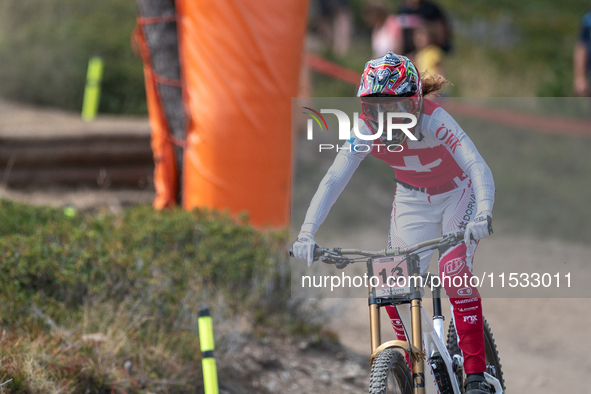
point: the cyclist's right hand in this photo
(303, 248)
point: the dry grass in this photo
(112, 348)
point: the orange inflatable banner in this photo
(240, 62)
(165, 169)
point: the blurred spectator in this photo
(582, 58)
(427, 56)
(386, 30)
(335, 24)
(411, 15)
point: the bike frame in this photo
(426, 339)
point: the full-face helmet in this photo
(390, 83)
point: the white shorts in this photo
(418, 216)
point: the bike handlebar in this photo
(448, 239)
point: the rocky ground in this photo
(276, 365)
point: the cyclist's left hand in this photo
(479, 228)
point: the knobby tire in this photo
(390, 374)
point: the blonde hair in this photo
(433, 84)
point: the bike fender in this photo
(406, 347)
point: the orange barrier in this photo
(165, 169)
(240, 63)
(331, 69)
(552, 125)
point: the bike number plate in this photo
(392, 273)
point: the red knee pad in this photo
(455, 272)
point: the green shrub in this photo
(153, 257)
(137, 280)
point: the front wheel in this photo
(493, 361)
(390, 374)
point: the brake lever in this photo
(339, 261)
(318, 252)
(452, 239)
(334, 256)
(329, 256)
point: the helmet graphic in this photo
(390, 83)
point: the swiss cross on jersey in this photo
(423, 166)
(413, 163)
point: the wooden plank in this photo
(130, 176)
(73, 151)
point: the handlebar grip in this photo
(460, 236)
(317, 252)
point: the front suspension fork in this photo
(418, 365)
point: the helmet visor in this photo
(372, 107)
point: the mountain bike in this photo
(398, 366)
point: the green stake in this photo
(210, 374)
(92, 92)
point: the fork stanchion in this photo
(374, 327)
(418, 367)
(210, 374)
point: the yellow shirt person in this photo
(428, 59)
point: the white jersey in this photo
(444, 153)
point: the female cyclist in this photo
(443, 186)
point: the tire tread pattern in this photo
(382, 365)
